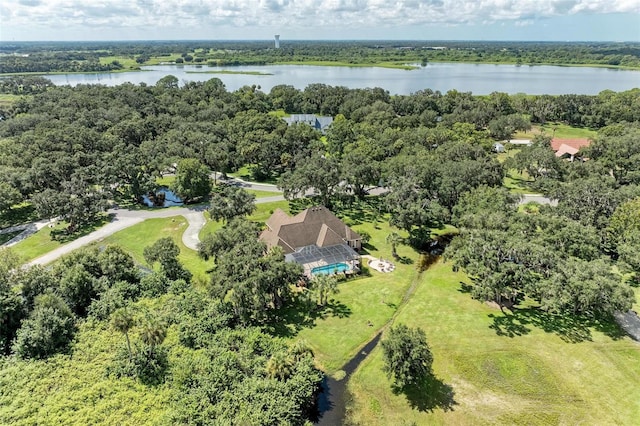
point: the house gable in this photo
(316, 121)
(557, 143)
(313, 226)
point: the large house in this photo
(316, 239)
(316, 121)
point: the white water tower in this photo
(277, 37)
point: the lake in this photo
(481, 79)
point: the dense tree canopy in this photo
(192, 180)
(48, 329)
(165, 251)
(406, 353)
(230, 201)
(251, 279)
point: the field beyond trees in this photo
(51, 57)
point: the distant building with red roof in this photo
(568, 147)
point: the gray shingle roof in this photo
(313, 226)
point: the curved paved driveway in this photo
(123, 219)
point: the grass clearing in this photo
(48, 239)
(230, 72)
(495, 368)
(128, 62)
(517, 183)
(556, 130)
(135, 238)
(156, 60)
(394, 65)
(263, 194)
(244, 173)
(37, 244)
(166, 181)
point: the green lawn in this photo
(362, 306)
(43, 242)
(557, 130)
(263, 194)
(517, 183)
(129, 63)
(135, 238)
(493, 368)
(244, 173)
(514, 181)
(382, 64)
(37, 244)
(166, 180)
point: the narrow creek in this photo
(331, 402)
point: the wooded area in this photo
(72, 150)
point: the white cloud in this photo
(56, 15)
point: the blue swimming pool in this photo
(334, 268)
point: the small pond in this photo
(163, 197)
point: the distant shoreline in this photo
(229, 72)
(390, 65)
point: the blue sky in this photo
(547, 20)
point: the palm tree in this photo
(394, 239)
(299, 350)
(323, 286)
(279, 366)
(153, 333)
(122, 321)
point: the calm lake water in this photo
(477, 78)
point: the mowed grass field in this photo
(493, 368)
(557, 130)
(135, 238)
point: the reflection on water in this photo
(163, 197)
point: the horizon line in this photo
(324, 40)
